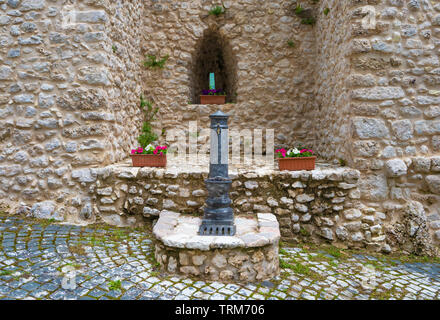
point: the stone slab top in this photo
(180, 231)
(175, 169)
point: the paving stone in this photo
(30, 286)
(26, 272)
(96, 293)
(18, 294)
(149, 295)
(131, 294)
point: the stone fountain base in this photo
(251, 255)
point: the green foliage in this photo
(304, 232)
(297, 268)
(300, 152)
(309, 21)
(326, 11)
(114, 48)
(119, 235)
(96, 242)
(115, 285)
(299, 9)
(333, 251)
(5, 273)
(217, 10)
(291, 44)
(148, 136)
(300, 269)
(152, 260)
(47, 222)
(152, 61)
(284, 264)
(342, 162)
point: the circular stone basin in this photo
(250, 255)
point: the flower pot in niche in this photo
(212, 99)
(297, 164)
(149, 160)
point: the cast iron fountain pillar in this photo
(218, 217)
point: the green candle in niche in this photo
(211, 81)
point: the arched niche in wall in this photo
(213, 54)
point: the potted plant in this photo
(296, 159)
(213, 96)
(147, 155)
(150, 156)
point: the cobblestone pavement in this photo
(113, 263)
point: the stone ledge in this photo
(177, 231)
(178, 169)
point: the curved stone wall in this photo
(69, 92)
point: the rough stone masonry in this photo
(360, 86)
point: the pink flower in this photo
(133, 151)
(155, 151)
(282, 151)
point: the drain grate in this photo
(217, 230)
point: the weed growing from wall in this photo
(153, 62)
(216, 11)
(308, 21)
(147, 136)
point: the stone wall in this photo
(321, 206)
(124, 40)
(395, 106)
(68, 99)
(272, 78)
(331, 109)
